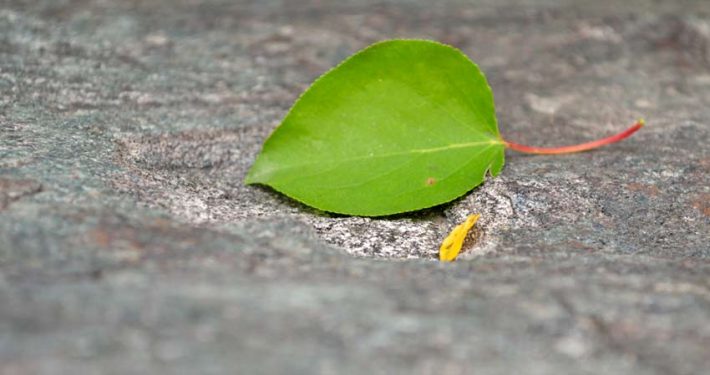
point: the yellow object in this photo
(452, 244)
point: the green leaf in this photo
(400, 126)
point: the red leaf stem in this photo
(576, 148)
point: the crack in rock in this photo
(12, 190)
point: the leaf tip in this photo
(249, 179)
(253, 177)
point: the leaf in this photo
(452, 244)
(400, 126)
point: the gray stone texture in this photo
(129, 245)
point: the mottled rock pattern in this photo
(128, 243)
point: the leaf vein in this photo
(392, 154)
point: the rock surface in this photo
(128, 243)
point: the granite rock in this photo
(129, 244)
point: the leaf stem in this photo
(576, 148)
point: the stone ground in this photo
(128, 243)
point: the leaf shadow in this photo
(430, 213)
